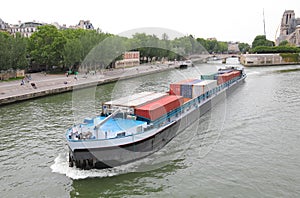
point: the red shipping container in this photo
(175, 87)
(155, 110)
(223, 78)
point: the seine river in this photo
(246, 146)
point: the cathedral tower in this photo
(287, 23)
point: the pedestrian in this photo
(33, 85)
(75, 77)
(23, 82)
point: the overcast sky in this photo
(226, 20)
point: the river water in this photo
(246, 146)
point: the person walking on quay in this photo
(75, 77)
(23, 81)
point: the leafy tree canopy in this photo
(12, 51)
(244, 47)
(46, 46)
(261, 40)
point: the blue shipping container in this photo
(186, 89)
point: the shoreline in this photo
(49, 85)
(270, 65)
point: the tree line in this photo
(50, 48)
(261, 45)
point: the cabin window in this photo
(122, 134)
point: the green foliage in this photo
(13, 52)
(290, 57)
(213, 46)
(284, 43)
(79, 44)
(261, 40)
(5, 46)
(73, 47)
(19, 52)
(104, 54)
(244, 47)
(277, 49)
(46, 46)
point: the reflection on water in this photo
(129, 184)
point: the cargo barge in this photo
(133, 127)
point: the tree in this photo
(105, 54)
(213, 46)
(46, 46)
(19, 52)
(79, 43)
(261, 40)
(13, 51)
(5, 46)
(72, 52)
(244, 47)
(222, 47)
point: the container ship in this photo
(133, 127)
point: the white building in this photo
(86, 25)
(3, 25)
(26, 29)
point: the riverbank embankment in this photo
(257, 60)
(42, 85)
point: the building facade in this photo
(3, 25)
(25, 29)
(233, 48)
(86, 25)
(129, 59)
(289, 29)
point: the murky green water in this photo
(247, 146)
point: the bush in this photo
(290, 57)
(277, 49)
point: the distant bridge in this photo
(206, 57)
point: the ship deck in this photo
(110, 129)
(118, 124)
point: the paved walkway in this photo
(52, 84)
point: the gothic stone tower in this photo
(288, 23)
(288, 26)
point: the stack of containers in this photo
(224, 71)
(223, 78)
(175, 88)
(158, 108)
(209, 76)
(186, 89)
(135, 99)
(203, 87)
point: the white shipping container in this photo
(126, 99)
(203, 87)
(146, 99)
(135, 100)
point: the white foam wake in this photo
(253, 73)
(61, 166)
